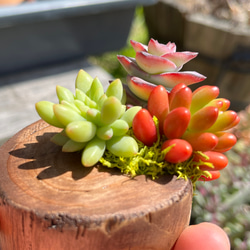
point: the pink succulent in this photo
(158, 64)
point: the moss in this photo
(150, 161)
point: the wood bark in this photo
(48, 200)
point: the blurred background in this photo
(45, 43)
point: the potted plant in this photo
(219, 30)
(115, 168)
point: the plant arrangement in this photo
(153, 124)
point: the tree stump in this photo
(48, 200)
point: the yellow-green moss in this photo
(150, 161)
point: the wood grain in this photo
(48, 200)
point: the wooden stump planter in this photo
(224, 48)
(48, 200)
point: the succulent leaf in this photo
(154, 64)
(93, 151)
(120, 127)
(96, 90)
(201, 141)
(81, 131)
(46, 112)
(66, 115)
(202, 96)
(80, 95)
(115, 89)
(82, 107)
(123, 146)
(226, 141)
(59, 139)
(93, 115)
(137, 46)
(104, 132)
(203, 119)
(129, 115)
(111, 110)
(180, 98)
(225, 121)
(170, 79)
(159, 49)
(180, 58)
(71, 105)
(225, 104)
(130, 65)
(83, 81)
(73, 146)
(64, 94)
(140, 87)
(176, 122)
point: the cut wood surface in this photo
(48, 200)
